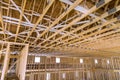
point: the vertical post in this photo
(0, 55)
(22, 63)
(31, 76)
(6, 62)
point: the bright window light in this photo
(81, 60)
(48, 76)
(96, 61)
(63, 75)
(57, 60)
(37, 59)
(108, 62)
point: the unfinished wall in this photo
(13, 60)
(77, 68)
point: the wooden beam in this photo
(1, 20)
(40, 18)
(105, 34)
(92, 29)
(109, 41)
(76, 20)
(59, 18)
(12, 43)
(108, 37)
(21, 16)
(87, 24)
(14, 56)
(117, 25)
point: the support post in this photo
(22, 63)
(6, 62)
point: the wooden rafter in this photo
(18, 27)
(76, 20)
(63, 26)
(89, 30)
(40, 18)
(1, 21)
(59, 18)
